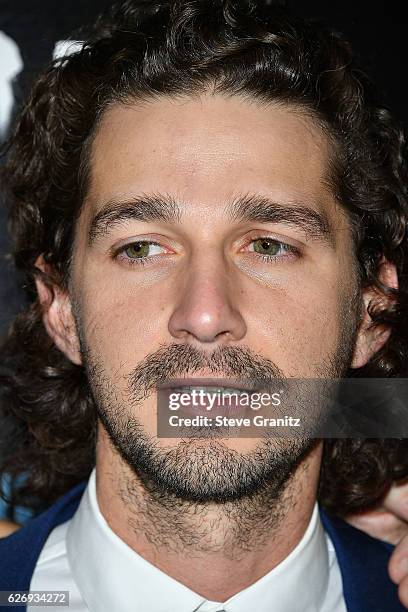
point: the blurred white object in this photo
(11, 64)
(66, 47)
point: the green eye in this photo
(137, 250)
(265, 246)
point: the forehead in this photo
(207, 147)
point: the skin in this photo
(389, 522)
(207, 288)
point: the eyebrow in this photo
(245, 207)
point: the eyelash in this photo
(142, 261)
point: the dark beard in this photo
(195, 470)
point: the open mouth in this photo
(188, 385)
(194, 396)
(193, 389)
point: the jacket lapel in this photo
(363, 563)
(19, 552)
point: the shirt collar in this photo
(112, 576)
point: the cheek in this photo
(298, 328)
(121, 324)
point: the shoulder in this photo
(7, 528)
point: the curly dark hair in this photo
(153, 48)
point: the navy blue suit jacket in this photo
(362, 559)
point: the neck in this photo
(216, 550)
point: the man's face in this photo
(208, 284)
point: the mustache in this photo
(180, 360)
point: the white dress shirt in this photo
(103, 574)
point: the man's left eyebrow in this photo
(151, 207)
(262, 209)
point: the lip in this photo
(179, 384)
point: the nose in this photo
(206, 311)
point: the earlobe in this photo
(57, 315)
(371, 338)
(369, 342)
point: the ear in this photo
(371, 338)
(57, 315)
